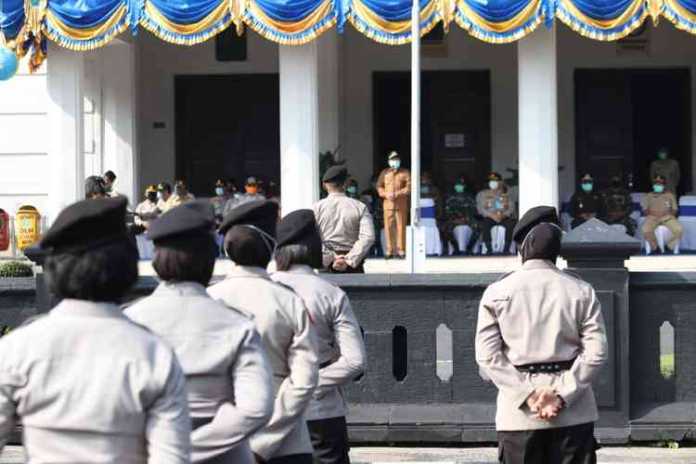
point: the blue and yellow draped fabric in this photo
(603, 19)
(500, 21)
(88, 24)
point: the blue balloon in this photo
(8, 63)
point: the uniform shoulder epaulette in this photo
(504, 276)
(128, 304)
(573, 275)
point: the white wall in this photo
(24, 172)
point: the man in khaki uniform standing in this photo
(667, 168)
(282, 321)
(340, 344)
(345, 225)
(394, 187)
(541, 340)
(660, 208)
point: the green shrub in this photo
(15, 269)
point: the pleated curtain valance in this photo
(89, 24)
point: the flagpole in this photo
(414, 263)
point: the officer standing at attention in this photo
(585, 203)
(228, 377)
(541, 340)
(345, 225)
(497, 209)
(394, 187)
(618, 206)
(667, 168)
(660, 209)
(284, 325)
(88, 384)
(340, 344)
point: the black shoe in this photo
(387, 257)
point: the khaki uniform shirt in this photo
(540, 315)
(145, 212)
(90, 386)
(669, 169)
(228, 377)
(346, 228)
(176, 200)
(398, 183)
(660, 205)
(490, 201)
(283, 322)
(340, 346)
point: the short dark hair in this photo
(110, 175)
(290, 255)
(102, 274)
(94, 186)
(245, 247)
(186, 259)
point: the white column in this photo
(328, 83)
(65, 127)
(538, 119)
(120, 117)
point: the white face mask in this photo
(395, 164)
(219, 191)
(493, 185)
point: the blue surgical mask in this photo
(395, 164)
(662, 155)
(658, 188)
(493, 185)
(219, 191)
(425, 189)
(352, 190)
(587, 187)
(459, 188)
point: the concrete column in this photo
(120, 117)
(308, 117)
(65, 127)
(538, 119)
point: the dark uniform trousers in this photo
(564, 445)
(330, 440)
(487, 224)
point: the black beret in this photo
(337, 174)
(533, 217)
(87, 224)
(297, 228)
(262, 214)
(192, 218)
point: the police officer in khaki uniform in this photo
(230, 393)
(340, 345)
(87, 383)
(497, 209)
(394, 187)
(181, 196)
(282, 320)
(666, 168)
(147, 210)
(660, 209)
(345, 225)
(541, 340)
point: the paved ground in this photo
(640, 455)
(365, 455)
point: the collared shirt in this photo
(340, 345)
(228, 376)
(145, 212)
(176, 200)
(91, 386)
(660, 205)
(346, 228)
(540, 314)
(283, 322)
(396, 182)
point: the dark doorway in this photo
(227, 126)
(623, 116)
(455, 122)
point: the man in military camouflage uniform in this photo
(460, 210)
(618, 206)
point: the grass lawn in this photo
(667, 365)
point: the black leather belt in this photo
(325, 364)
(546, 368)
(198, 422)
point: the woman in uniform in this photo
(340, 346)
(228, 378)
